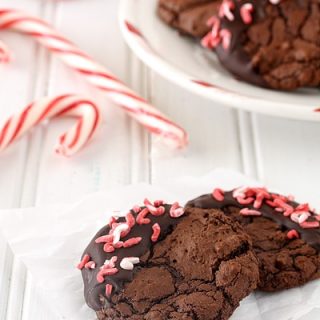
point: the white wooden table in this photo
(283, 154)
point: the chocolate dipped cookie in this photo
(269, 43)
(163, 262)
(285, 234)
(188, 16)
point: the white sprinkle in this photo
(117, 232)
(128, 263)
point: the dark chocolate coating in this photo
(310, 236)
(235, 59)
(280, 49)
(93, 290)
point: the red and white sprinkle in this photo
(156, 232)
(176, 211)
(246, 13)
(83, 262)
(118, 232)
(90, 265)
(141, 218)
(226, 9)
(108, 290)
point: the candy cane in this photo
(4, 53)
(67, 105)
(96, 74)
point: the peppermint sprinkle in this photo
(218, 194)
(110, 263)
(156, 232)
(300, 217)
(141, 218)
(246, 13)
(293, 234)
(104, 239)
(83, 262)
(132, 242)
(118, 230)
(109, 290)
(130, 220)
(248, 212)
(226, 9)
(90, 265)
(310, 224)
(128, 263)
(176, 211)
(104, 272)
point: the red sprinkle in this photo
(90, 265)
(156, 232)
(104, 239)
(218, 194)
(293, 234)
(130, 220)
(132, 242)
(118, 245)
(108, 248)
(106, 272)
(141, 218)
(248, 212)
(84, 261)
(108, 290)
(310, 224)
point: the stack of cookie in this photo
(268, 43)
(162, 261)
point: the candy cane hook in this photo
(96, 74)
(72, 141)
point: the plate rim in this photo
(142, 49)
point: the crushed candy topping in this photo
(117, 238)
(219, 36)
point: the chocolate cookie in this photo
(161, 262)
(269, 43)
(188, 16)
(285, 234)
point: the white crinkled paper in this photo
(50, 241)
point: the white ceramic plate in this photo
(184, 62)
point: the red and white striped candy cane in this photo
(65, 105)
(4, 53)
(96, 74)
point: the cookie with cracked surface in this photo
(269, 43)
(188, 16)
(285, 234)
(163, 262)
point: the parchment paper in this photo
(50, 241)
